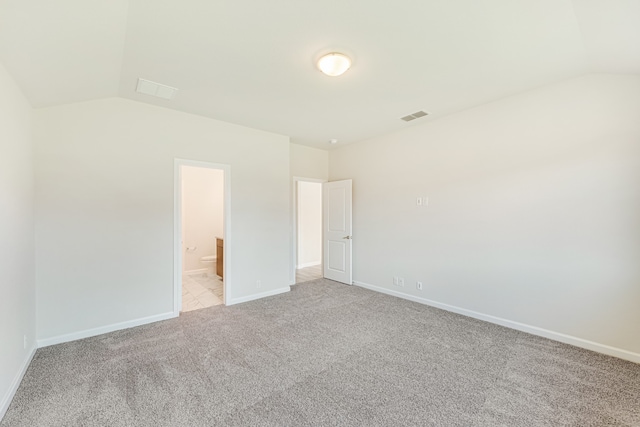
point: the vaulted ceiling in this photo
(252, 62)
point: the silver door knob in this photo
(347, 237)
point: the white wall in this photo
(534, 209)
(105, 209)
(304, 162)
(17, 263)
(202, 214)
(309, 162)
(309, 224)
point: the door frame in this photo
(294, 216)
(177, 227)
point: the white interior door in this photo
(337, 231)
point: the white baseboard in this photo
(7, 398)
(104, 329)
(196, 272)
(308, 264)
(534, 330)
(260, 295)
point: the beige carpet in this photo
(325, 354)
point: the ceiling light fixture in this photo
(333, 141)
(334, 64)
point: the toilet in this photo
(210, 262)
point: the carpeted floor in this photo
(324, 354)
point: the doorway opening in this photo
(308, 226)
(202, 210)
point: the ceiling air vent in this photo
(414, 116)
(155, 89)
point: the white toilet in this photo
(210, 262)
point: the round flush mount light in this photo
(334, 64)
(333, 141)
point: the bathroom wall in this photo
(17, 262)
(309, 224)
(202, 214)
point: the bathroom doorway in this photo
(201, 231)
(308, 236)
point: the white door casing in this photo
(177, 230)
(337, 231)
(294, 234)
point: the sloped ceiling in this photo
(252, 62)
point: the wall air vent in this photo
(414, 116)
(148, 87)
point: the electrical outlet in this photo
(400, 281)
(419, 285)
(422, 201)
(258, 283)
(25, 342)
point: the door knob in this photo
(347, 237)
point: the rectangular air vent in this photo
(148, 87)
(414, 116)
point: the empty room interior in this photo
(295, 213)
